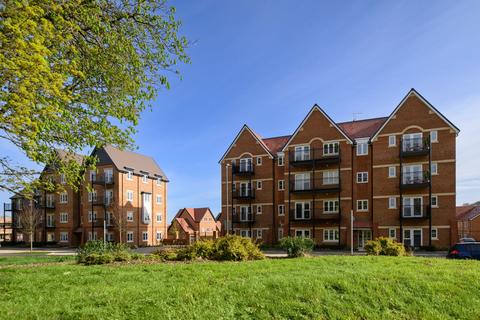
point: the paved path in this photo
(12, 251)
(281, 254)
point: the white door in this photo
(302, 153)
(412, 174)
(245, 164)
(245, 213)
(302, 181)
(363, 237)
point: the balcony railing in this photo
(318, 156)
(244, 194)
(245, 218)
(47, 204)
(243, 169)
(103, 179)
(416, 179)
(102, 201)
(7, 206)
(50, 224)
(415, 147)
(327, 184)
(415, 211)
(318, 215)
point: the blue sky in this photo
(265, 63)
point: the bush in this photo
(385, 247)
(166, 254)
(122, 256)
(198, 250)
(236, 248)
(97, 252)
(297, 246)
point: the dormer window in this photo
(129, 175)
(159, 181)
(145, 178)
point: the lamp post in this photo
(226, 175)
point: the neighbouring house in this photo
(468, 222)
(192, 224)
(5, 226)
(395, 174)
(125, 198)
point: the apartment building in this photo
(395, 175)
(192, 224)
(468, 222)
(123, 200)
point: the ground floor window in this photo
(392, 233)
(280, 233)
(259, 234)
(434, 234)
(302, 233)
(145, 236)
(159, 235)
(130, 236)
(110, 237)
(330, 235)
(50, 236)
(92, 236)
(245, 233)
(412, 237)
(63, 236)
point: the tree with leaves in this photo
(29, 219)
(77, 74)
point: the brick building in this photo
(468, 222)
(125, 198)
(191, 224)
(396, 174)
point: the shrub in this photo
(122, 256)
(297, 246)
(98, 258)
(198, 250)
(137, 256)
(385, 247)
(235, 248)
(97, 252)
(166, 254)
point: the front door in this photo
(363, 237)
(412, 237)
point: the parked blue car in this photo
(465, 250)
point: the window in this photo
(159, 217)
(110, 237)
(302, 181)
(108, 197)
(62, 178)
(92, 196)
(302, 210)
(63, 197)
(330, 235)
(434, 201)
(412, 207)
(330, 148)
(434, 234)
(280, 233)
(434, 136)
(259, 233)
(392, 141)
(330, 177)
(330, 206)
(92, 175)
(392, 233)
(159, 236)
(281, 185)
(281, 210)
(259, 161)
(245, 233)
(413, 174)
(434, 168)
(63, 236)
(246, 165)
(412, 142)
(259, 209)
(129, 175)
(281, 160)
(362, 205)
(50, 220)
(159, 181)
(145, 235)
(302, 153)
(92, 216)
(130, 236)
(246, 213)
(362, 147)
(92, 236)
(50, 236)
(246, 189)
(362, 177)
(302, 233)
(234, 187)
(130, 195)
(392, 203)
(130, 216)
(108, 175)
(159, 198)
(392, 172)
(109, 218)
(259, 185)
(63, 217)
(145, 178)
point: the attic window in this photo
(145, 178)
(129, 175)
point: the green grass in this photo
(18, 259)
(329, 287)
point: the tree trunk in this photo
(31, 241)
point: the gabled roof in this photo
(197, 214)
(428, 104)
(183, 223)
(255, 135)
(67, 156)
(316, 107)
(139, 163)
(362, 128)
(275, 144)
(467, 212)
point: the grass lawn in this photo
(329, 287)
(19, 259)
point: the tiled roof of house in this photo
(467, 212)
(197, 214)
(184, 225)
(275, 144)
(362, 128)
(66, 156)
(132, 160)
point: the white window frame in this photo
(92, 236)
(129, 236)
(108, 175)
(92, 175)
(332, 148)
(434, 136)
(392, 141)
(281, 209)
(63, 217)
(305, 212)
(259, 209)
(145, 236)
(281, 185)
(362, 177)
(303, 233)
(411, 236)
(330, 235)
(302, 181)
(362, 147)
(245, 233)
(362, 205)
(436, 201)
(130, 198)
(281, 160)
(394, 236)
(64, 197)
(158, 235)
(130, 216)
(302, 153)
(392, 172)
(411, 202)
(259, 234)
(145, 178)
(259, 161)
(392, 202)
(259, 185)
(434, 229)
(92, 196)
(330, 177)
(62, 178)
(411, 137)
(159, 181)
(158, 199)
(63, 236)
(434, 168)
(129, 175)
(331, 204)
(280, 233)
(92, 216)
(158, 215)
(246, 213)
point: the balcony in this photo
(244, 194)
(319, 216)
(243, 169)
(101, 201)
(50, 224)
(47, 204)
(102, 179)
(415, 180)
(308, 158)
(7, 206)
(415, 147)
(416, 211)
(246, 218)
(310, 185)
